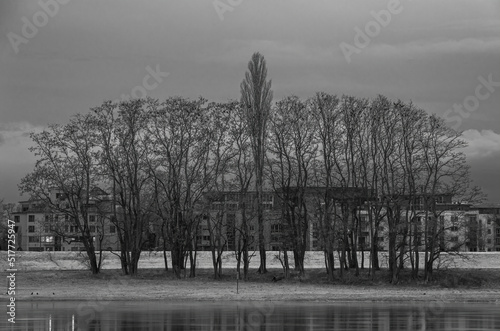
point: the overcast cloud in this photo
(431, 53)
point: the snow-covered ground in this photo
(74, 260)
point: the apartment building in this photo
(224, 220)
(40, 229)
(461, 227)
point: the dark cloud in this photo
(485, 174)
(431, 53)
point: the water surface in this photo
(155, 315)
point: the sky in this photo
(62, 57)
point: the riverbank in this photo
(452, 285)
(28, 261)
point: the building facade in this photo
(40, 229)
(460, 227)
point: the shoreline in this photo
(28, 261)
(180, 300)
(155, 286)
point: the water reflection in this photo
(105, 315)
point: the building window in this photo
(267, 206)
(33, 239)
(488, 241)
(489, 231)
(31, 228)
(454, 228)
(488, 221)
(112, 229)
(267, 197)
(16, 219)
(275, 238)
(47, 239)
(92, 228)
(91, 218)
(31, 218)
(217, 206)
(276, 228)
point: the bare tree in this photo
(65, 173)
(241, 172)
(124, 150)
(191, 152)
(293, 149)
(256, 98)
(221, 224)
(445, 171)
(326, 113)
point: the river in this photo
(206, 315)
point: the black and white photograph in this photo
(250, 165)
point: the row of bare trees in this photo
(326, 159)
(389, 160)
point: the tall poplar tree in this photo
(256, 98)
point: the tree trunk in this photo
(177, 259)
(164, 236)
(94, 266)
(287, 265)
(246, 262)
(192, 262)
(260, 218)
(329, 264)
(134, 261)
